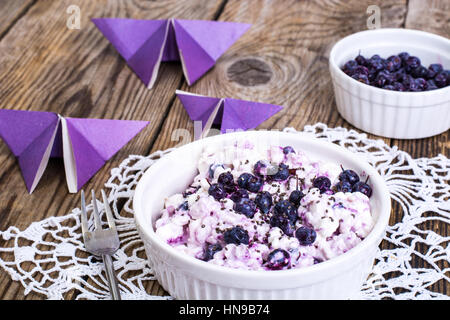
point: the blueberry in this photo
(363, 187)
(414, 86)
(399, 74)
(403, 56)
(361, 60)
(344, 186)
(243, 180)
(389, 87)
(407, 80)
(376, 65)
(375, 57)
(419, 72)
(395, 63)
(239, 194)
(286, 208)
(349, 66)
(421, 83)
(448, 76)
(259, 168)
(431, 85)
(361, 78)
(236, 235)
(288, 149)
(433, 70)
(264, 201)
(227, 180)
(210, 250)
(411, 63)
(361, 70)
(441, 79)
(383, 78)
(305, 236)
(217, 191)
(184, 206)
(254, 184)
(398, 86)
(284, 223)
(372, 74)
(277, 259)
(322, 183)
(390, 66)
(295, 197)
(282, 173)
(246, 207)
(349, 175)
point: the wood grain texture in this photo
(293, 39)
(77, 73)
(11, 11)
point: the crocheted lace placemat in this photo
(61, 268)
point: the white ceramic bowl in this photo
(185, 277)
(392, 114)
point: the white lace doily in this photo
(61, 268)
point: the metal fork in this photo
(102, 242)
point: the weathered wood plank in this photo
(77, 73)
(290, 42)
(10, 12)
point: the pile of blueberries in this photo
(401, 72)
(284, 213)
(349, 181)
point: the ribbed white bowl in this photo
(392, 114)
(185, 277)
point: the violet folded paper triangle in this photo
(85, 144)
(230, 114)
(145, 43)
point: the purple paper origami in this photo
(230, 114)
(84, 144)
(145, 43)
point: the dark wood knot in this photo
(249, 72)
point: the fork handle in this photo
(111, 275)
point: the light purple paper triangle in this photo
(57, 150)
(140, 43)
(19, 128)
(95, 141)
(88, 160)
(199, 108)
(214, 37)
(195, 59)
(170, 49)
(144, 61)
(242, 114)
(31, 158)
(128, 35)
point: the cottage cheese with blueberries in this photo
(271, 210)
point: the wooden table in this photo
(282, 59)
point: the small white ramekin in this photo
(392, 114)
(185, 277)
